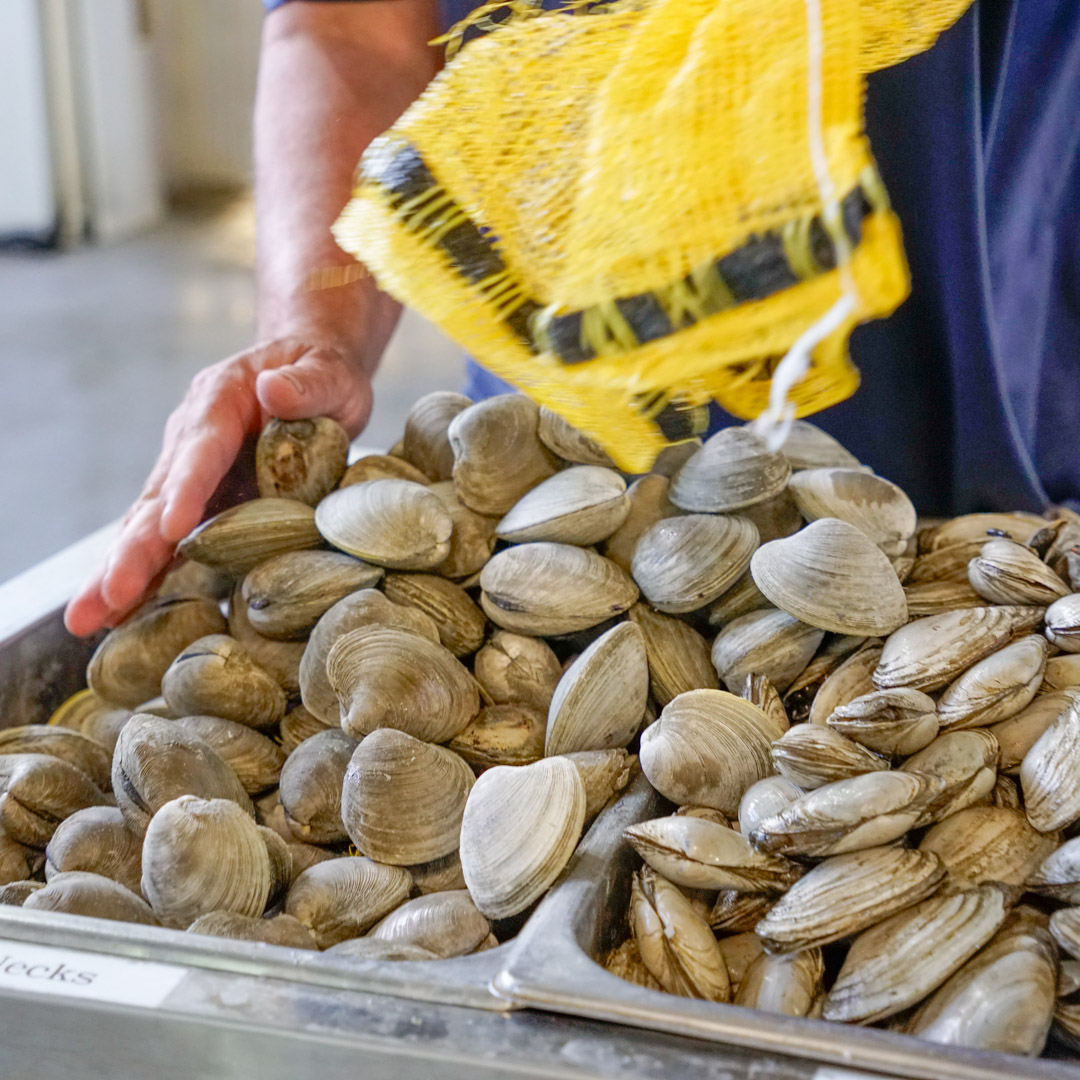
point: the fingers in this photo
(318, 383)
(87, 612)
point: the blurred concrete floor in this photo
(97, 346)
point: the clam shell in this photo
(215, 676)
(298, 725)
(735, 912)
(937, 597)
(286, 595)
(426, 444)
(788, 985)
(1065, 927)
(604, 773)
(684, 563)
(625, 963)
(502, 735)
(392, 523)
(997, 687)
(16, 893)
(343, 898)
(733, 469)
(1005, 572)
(599, 703)
(899, 961)
(848, 893)
(238, 539)
(547, 589)
(581, 505)
(511, 668)
(770, 643)
(310, 787)
(678, 655)
(1006, 793)
(461, 624)
(974, 527)
(810, 755)
(740, 599)
(707, 748)
(402, 800)
(76, 749)
(281, 930)
(520, 828)
(382, 467)
(1062, 673)
(444, 923)
(189, 578)
(775, 517)
(300, 459)
(966, 761)
(648, 499)
(439, 875)
(851, 679)
(367, 607)
(127, 666)
(760, 692)
(38, 792)
(279, 659)
(947, 565)
(17, 862)
(386, 677)
(473, 538)
(835, 649)
(1063, 623)
(96, 840)
(764, 799)
(806, 446)
(203, 855)
(568, 443)
(281, 865)
(895, 723)
(929, 653)
(91, 716)
(739, 952)
(92, 895)
(832, 576)
(1058, 875)
(1050, 773)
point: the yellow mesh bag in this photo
(630, 209)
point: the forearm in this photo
(332, 77)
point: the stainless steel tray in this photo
(552, 966)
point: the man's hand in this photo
(225, 406)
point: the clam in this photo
(1063, 623)
(255, 759)
(189, 578)
(987, 843)
(238, 539)
(849, 680)
(760, 692)
(599, 703)
(739, 912)
(282, 871)
(895, 722)
(929, 653)
(76, 749)
(444, 923)
(700, 854)
(386, 677)
(674, 456)
(771, 643)
(215, 676)
(788, 985)
(1050, 773)
(38, 792)
(502, 735)
(764, 799)
(96, 840)
(156, 761)
(461, 624)
(92, 895)
(739, 599)
(966, 761)
(568, 443)
(298, 725)
(707, 748)
(426, 444)
(364, 608)
(947, 565)
(580, 505)
(733, 469)
(877, 507)
(1006, 793)
(832, 576)
(498, 455)
(392, 523)
(1005, 572)
(997, 687)
(937, 597)
(604, 773)
(281, 930)
(547, 589)
(740, 951)
(899, 961)
(625, 962)
(676, 944)
(473, 538)
(16, 893)
(271, 816)
(810, 755)
(774, 518)
(514, 669)
(1062, 672)
(835, 649)
(848, 815)
(520, 827)
(402, 800)
(127, 667)
(439, 875)
(806, 446)
(382, 467)
(684, 563)
(848, 893)
(678, 655)
(1002, 999)
(286, 595)
(975, 527)
(300, 459)
(310, 787)
(91, 716)
(279, 659)
(17, 862)
(1058, 875)
(648, 504)
(343, 898)
(203, 855)
(1065, 926)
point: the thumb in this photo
(318, 383)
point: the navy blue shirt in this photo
(970, 395)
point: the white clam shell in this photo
(770, 643)
(1050, 773)
(580, 505)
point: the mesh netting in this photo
(630, 209)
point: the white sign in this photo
(42, 969)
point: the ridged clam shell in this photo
(937, 597)
(733, 469)
(512, 668)
(73, 747)
(16, 893)
(770, 643)
(788, 985)
(739, 913)
(929, 653)
(810, 755)
(127, 666)
(707, 748)
(17, 862)
(966, 761)
(835, 649)
(567, 442)
(740, 952)
(604, 773)
(426, 444)
(995, 688)
(1005, 572)
(279, 659)
(91, 895)
(502, 735)
(382, 467)
(1050, 773)
(298, 725)
(1062, 673)
(392, 678)
(547, 589)
(1058, 875)
(1065, 926)
(310, 787)
(648, 498)
(830, 575)
(439, 875)
(580, 505)
(599, 703)
(402, 800)
(760, 692)
(678, 655)
(300, 459)
(775, 517)
(203, 855)
(392, 523)
(684, 563)
(281, 930)
(974, 527)
(808, 447)
(738, 599)
(899, 961)
(98, 841)
(91, 716)
(282, 871)
(460, 622)
(343, 898)
(625, 963)
(444, 923)
(38, 792)
(473, 538)
(520, 828)
(764, 799)
(848, 893)
(947, 565)
(895, 723)
(1063, 623)
(189, 578)
(850, 679)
